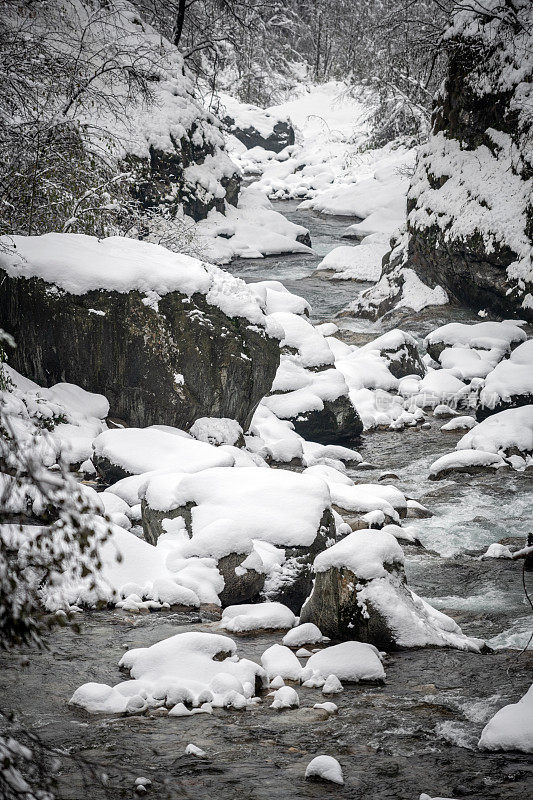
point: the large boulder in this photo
(226, 511)
(360, 592)
(165, 337)
(470, 216)
(309, 391)
(256, 127)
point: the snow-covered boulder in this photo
(469, 212)
(324, 768)
(308, 391)
(257, 617)
(254, 126)
(507, 432)
(349, 661)
(224, 510)
(167, 338)
(510, 384)
(131, 451)
(400, 352)
(511, 728)
(492, 337)
(360, 592)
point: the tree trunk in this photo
(180, 19)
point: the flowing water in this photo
(416, 734)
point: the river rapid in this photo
(417, 733)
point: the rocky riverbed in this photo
(416, 733)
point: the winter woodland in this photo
(266, 399)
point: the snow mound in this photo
(510, 379)
(279, 660)
(502, 432)
(349, 661)
(138, 450)
(325, 768)
(261, 616)
(216, 431)
(482, 335)
(308, 633)
(464, 461)
(285, 697)
(511, 728)
(365, 552)
(274, 505)
(189, 668)
(362, 263)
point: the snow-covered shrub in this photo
(48, 533)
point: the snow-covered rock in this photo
(324, 768)
(257, 617)
(303, 634)
(279, 660)
(188, 668)
(120, 452)
(511, 728)
(285, 697)
(224, 510)
(349, 661)
(360, 592)
(175, 338)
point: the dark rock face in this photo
(167, 366)
(295, 582)
(514, 401)
(282, 135)
(161, 182)
(335, 607)
(242, 588)
(337, 422)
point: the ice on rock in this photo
(349, 661)
(303, 652)
(277, 682)
(278, 660)
(332, 685)
(258, 616)
(511, 728)
(139, 450)
(325, 768)
(285, 697)
(308, 633)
